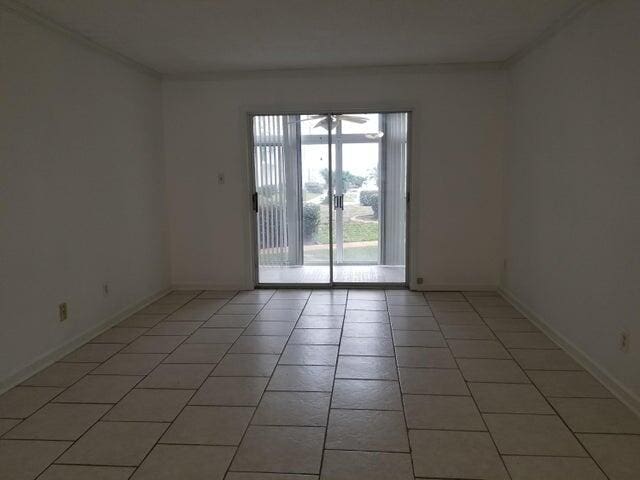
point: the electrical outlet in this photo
(419, 280)
(105, 289)
(62, 311)
(623, 341)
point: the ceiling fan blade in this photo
(354, 118)
(312, 117)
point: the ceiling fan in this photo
(324, 122)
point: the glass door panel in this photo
(291, 199)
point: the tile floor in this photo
(301, 385)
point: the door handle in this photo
(338, 202)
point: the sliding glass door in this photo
(330, 198)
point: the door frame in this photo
(249, 114)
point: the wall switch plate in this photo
(221, 178)
(62, 311)
(419, 280)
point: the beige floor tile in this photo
(414, 323)
(341, 465)
(568, 384)
(58, 421)
(467, 332)
(369, 430)
(119, 335)
(259, 344)
(335, 299)
(239, 309)
(228, 321)
(231, 391)
(544, 360)
(114, 443)
(268, 476)
(83, 472)
(357, 294)
(320, 309)
(60, 374)
(439, 454)
(596, 415)
(375, 347)
(158, 308)
(270, 328)
(255, 297)
(185, 462)
(99, 389)
(439, 412)
(246, 365)
(306, 409)
(295, 294)
(150, 405)
(366, 394)
(302, 378)
(142, 321)
(366, 330)
(509, 398)
(552, 468)
(406, 300)
(315, 336)
(285, 304)
(490, 370)
(209, 426)
(320, 321)
(616, 454)
(498, 311)
(130, 364)
(280, 449)
(176, 375)
(532, 435)
(488, 301)
(458, 318)
(20, 402)
(440, 307)
(215, 335)
(510, 325)
(362, 304)
(218, 294)
(24, 460)
(421, 357)
(472, 294)
(154, 344)
(410, 311)
(309, 355)
(364, 316)
(445, 297)
(478, 349)
(93, 353)
(174, 328)
(278, 316)
(422, 338)
(432, 381)
(373, 368)
(198, 353)
(7, 424)
(526, 340)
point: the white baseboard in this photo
(209, 286)
(620, 391)
(57, 353)
(452, 287)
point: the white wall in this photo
(458, 130)
(573, 187)
(82, 194)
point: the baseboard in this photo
(57, 353)
(209, 286)
(453, 287)
(621, 392)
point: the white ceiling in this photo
(188, 36)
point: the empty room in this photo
(319, 239)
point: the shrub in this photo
(314, 187)
(369, 198)
(310, 220)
